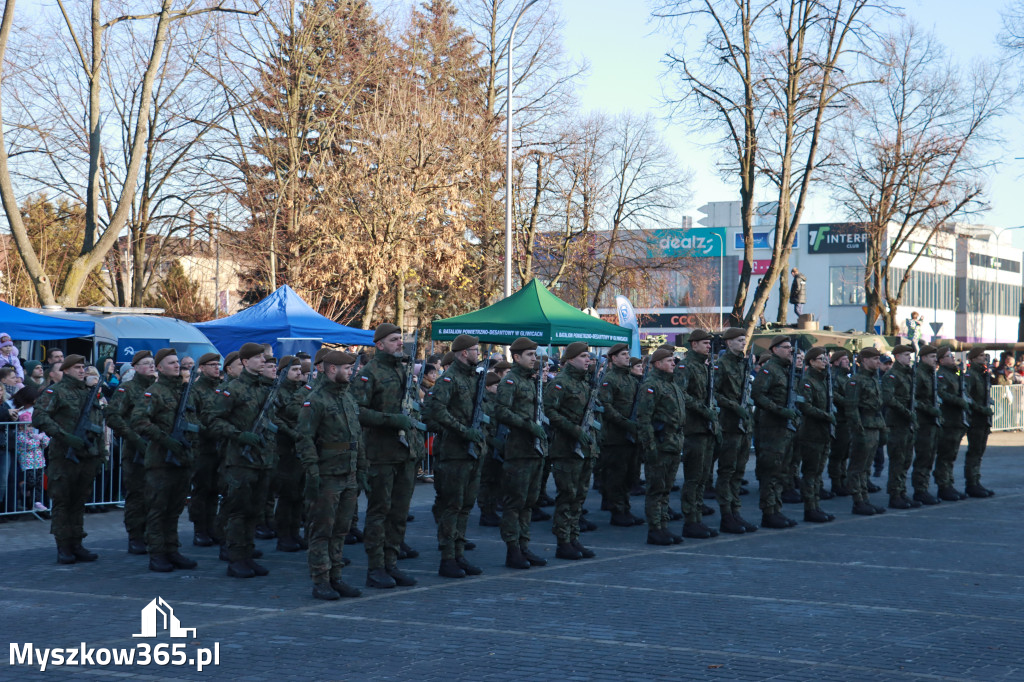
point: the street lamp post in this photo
(721, 276)
(508, 155)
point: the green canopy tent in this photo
(533, 312)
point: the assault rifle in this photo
(589, 422)
(630, 436)
(411, 403)
(712, 402)
(961, 379)
(937, 400)
(913, 394)
(479, 418)
(263, 422)
(829, 392)
(748, 385)
(85, 426)
(791, 386)
(182, 425)
(538, 410)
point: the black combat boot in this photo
(586, 525)
(622, 519)
(288, 545)
(709, 529)
(638, 520)
(82, 554)
(450, 568)
(137, 546)
(792, 496)
(489, 520)
(817, 516)
(469, 546)
(200, 538)
(407, 552)
(707, 511)
(696, 530)
(730, 524)
(532, 557)
(256, 554)
(379, 578)
(514, 556)
(925, 497)
(978, 490)
(178, 560)
(774, 520)
(587, 553)
(401, 579)
(469, 568)
(949, 494)
(914, 504)
(825, 494)
(65, 555)
(873, 488)
(840, 490)
(545, 500)
(863, 508)
(325, 591)
(899, 502)
(658, 536)
(240, 569)
(345, 561)
(747, 525)
(256, 568)
(567, 551)
(344, 589)
(160, 563)
(673, 515)
(538, 515)
(265, 532)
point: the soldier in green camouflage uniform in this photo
(490, 468)
(327, 442)
(168, 461)
(867, 428)
(618, 394)
(571, 445)
(901, 420)
(202, 508)
(732, 392)
(661, 417)
(929, 424)
(133, 446)
(461, 445)
(839, 454)
(264, 522)
(771, 430)
(394, 443)
(979, 391)
(955, 412)
(232, 370)
(524, 452)
(245, 470)
(286, 484)
(69, 481)
(702, 433)
(813, 438)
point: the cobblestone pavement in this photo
(930, 594)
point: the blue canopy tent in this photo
(285, 321)
(23, 325)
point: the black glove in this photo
(474, 435)
(249, 438)
(787, 413)
(312, 488)
(175, 446)
(630, 427)
(831, 419)
(537, 430)
(74, 442)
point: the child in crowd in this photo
(31, 443)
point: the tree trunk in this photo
(400, 300)
(371, 303)
(782, 314)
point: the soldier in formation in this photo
(867, 428)
(701, 432)
(661, 419)
(733, 386)
(839, 455)
(955, 422)
(929, 425)
(899, 395)
(619, 393)
(202, 510)
(814, 434)
(774, 428)
(979, 384)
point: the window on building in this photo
(846, 285)
(925, 289)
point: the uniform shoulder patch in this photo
(558, 386)
(307, 387)
(148, 394)
(225, 392)
(650, 390)
(765, 371)
(510, 382)
(807, 385)
(306, 404)
(49, 390)
(120, 390)
(605, 383)
(448, 379)
(364, 378)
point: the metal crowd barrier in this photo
(24, 492)
(1008, 404)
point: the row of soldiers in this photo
(317, 444)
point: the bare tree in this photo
(908, 153)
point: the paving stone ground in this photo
(930, 594)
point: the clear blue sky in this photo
(617, 39)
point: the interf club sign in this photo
(837, 238)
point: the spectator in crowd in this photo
(54, 374)
(187, 363)
(915, 324)
(798, 292)
(1004, 373)
(31, 443)
(10, 381)
(108, 377)
(8, 414)
(35, 374)
(53, 356)
(9, 356)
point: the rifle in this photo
(85, 426)
(712, 403)
(588, 415)
(748, 385)
(791, 386)
(828, 398)
(913, 394)
(263, 422)
(538, 410)
(963, 395)
(631, 437)
(181, 424)
(479, 418)
(409, 403)
(937, 400)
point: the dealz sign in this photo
(837, 238)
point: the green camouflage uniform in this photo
(69, 483)
(523, 468)
(490, 468)
(701, 431)
(617, 395)
(954, 408)
(245, 479)
(286, 483)
(327, 444)
(813, 439)
(166, 481)
(979, 385)
(202, 506)
(565, 403)
(774, 438)
(133, 473)
(839, 454)
(737, 427)
(901, 422)
(456, 474)
(867, 428)
(661, 417)
(379, 389)
(929, 426)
